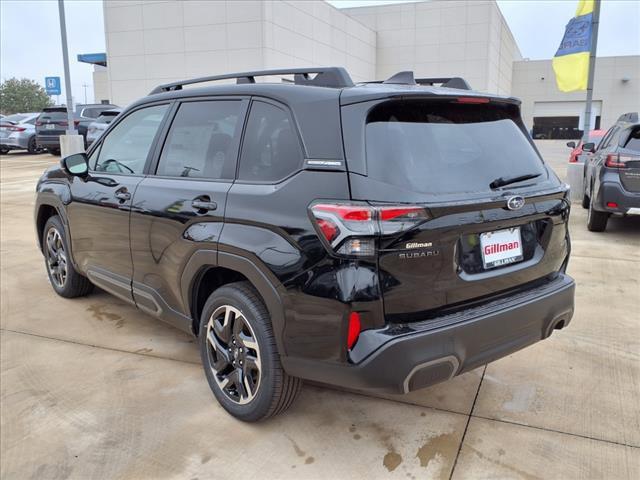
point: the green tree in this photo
(22, 95)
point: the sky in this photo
(30, 33)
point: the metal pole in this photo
(67, 76)
(595, 20)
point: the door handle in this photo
(204, 204)
(123, 195)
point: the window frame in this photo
(294, 124)
(173, 113)
(98, 145)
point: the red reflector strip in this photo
(472, 100)
(612, 205)
(354, 329)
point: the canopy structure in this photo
(93, 58)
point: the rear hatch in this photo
(495, 217)
(52, 122)
(627, 161)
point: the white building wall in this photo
(100, 84)
(534, 81)
(152, 42)
(442, 38)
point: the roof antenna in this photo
(402, 78)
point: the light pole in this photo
(595, 21)
(67, 75)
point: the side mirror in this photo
(571, 144)
(76, 164)
(589, 147)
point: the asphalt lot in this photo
(92, 388)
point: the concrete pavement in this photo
(92, 388)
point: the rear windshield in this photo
(15, 118)
(444, 147)
(53, 115)
(106, 117)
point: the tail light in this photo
(64, 123)
(351, 228)
(15, 129)
(38, 123)
(618, 160)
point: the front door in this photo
(101, 204)
(179, 207)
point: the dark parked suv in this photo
(382, 236)
(612, 173)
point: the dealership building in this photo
(152, 42)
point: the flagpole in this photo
(595, 20)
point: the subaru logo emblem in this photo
(515, 203)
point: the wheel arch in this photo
(208, 270)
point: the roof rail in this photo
(407, 78)
(629, 117)
(334, 77)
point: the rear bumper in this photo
(404, 358)
(615, 192)
(48, 142)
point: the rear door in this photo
(485, 233)
(179, 207)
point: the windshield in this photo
(55, 115)
(445, 147)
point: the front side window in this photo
(202, 141)
(127, 146)
(271, 149)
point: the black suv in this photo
(382, 236)
(612, 173)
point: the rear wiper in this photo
(502, 181)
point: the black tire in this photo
(275, 391)
(4, 151)
(585, 200)
(32, 146)
(56, 259)
(54, 151)
(596, 221)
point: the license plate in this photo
(50, 126)
(501, 247)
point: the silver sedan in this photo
(18, 132)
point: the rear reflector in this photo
(354, 329)
(612, 205)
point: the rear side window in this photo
(443, 147)
(203, 141)
(271, 149)
(633, 142)
(125, 149)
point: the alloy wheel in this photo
(233, 354)
(56, 257)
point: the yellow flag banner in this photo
(571, 61)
